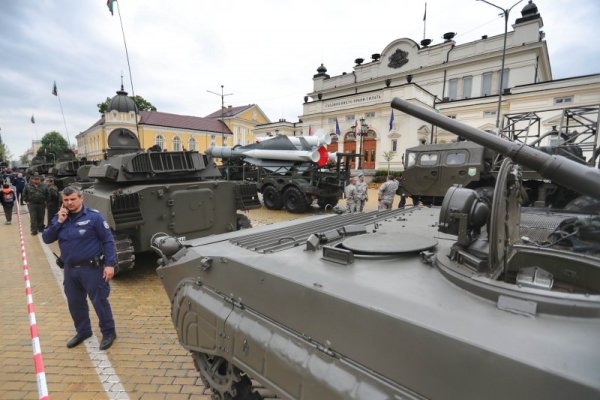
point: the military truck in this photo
(289, 175)
(468, 301)
(141, 193)
(431, 169)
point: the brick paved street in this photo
(146, 362)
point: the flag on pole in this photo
(309, 130)
(54, 89)
(391, 121)
(109, 4)
(337, 128)
(356, 129)
(32, 120)
(425, 13)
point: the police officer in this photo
(88, 254)
(34, 195)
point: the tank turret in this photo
(144, 192)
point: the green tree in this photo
(24, 159)
(53, 145)
(4, 153)
(389, 156)
(141, 103)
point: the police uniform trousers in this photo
(87, 281)
(36, 216)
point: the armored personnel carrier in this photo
(431, 169)
(177, 192)
(473, 300)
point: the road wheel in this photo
(294, 200)
(271, 198)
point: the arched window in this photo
(160, 141)
(176, 144)
(192, 144)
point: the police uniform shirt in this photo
(81, 237)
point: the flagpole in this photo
(64, 120)
(425, 21)
(129, 67)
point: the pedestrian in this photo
(387, 192)
(88, 255)
(19, 184)
(52, 199)
(34, 195)
(362, 192)
(350, 194)
(8, 198)
(400, 191)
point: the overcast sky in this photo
(263, 51)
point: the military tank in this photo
(66, 171)
(179, 192)
(470, 300)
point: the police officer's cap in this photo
(361, 174)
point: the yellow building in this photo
(172, 132)
(241, 122)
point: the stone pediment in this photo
(400, 54)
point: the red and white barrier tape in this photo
(35, 340)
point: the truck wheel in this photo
(243, 222)
(271, 198)
(294, 200)
(331, 201)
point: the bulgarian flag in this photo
(109, 4)
(54, 89)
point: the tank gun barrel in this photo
(579, 177)
(261, 154)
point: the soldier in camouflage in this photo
(387, 191)
(362, 192)
(350, 194)
(34, 195)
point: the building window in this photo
(451, 116)
(350, 118)
(176, 144)
(489, 114)
(486, 84)
(160, 141)
(331, 120)
(370, 114)
(452, 89)
(563, 100)
(467, 87)
(394, 145)
(192, 144)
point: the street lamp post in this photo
(364, 128)
(222, 110)
(505, 12)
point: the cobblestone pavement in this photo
(146, 361)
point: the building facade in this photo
(461, 81)
(171, 132)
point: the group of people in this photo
(40, 197)
(356, 193)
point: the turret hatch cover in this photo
(389, 243)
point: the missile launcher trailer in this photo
(175, 192)
(288, 171)
(473, 300)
